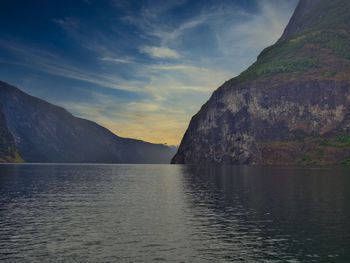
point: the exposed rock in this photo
(291, 106)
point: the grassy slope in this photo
(300, 57)
(319, 51)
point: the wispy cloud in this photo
(166, 35)
(159, 52)
(258, 30)
(67, 23)
(52, 64)
(118, 60)
(133, 117)
(236, 36)
(171, 64)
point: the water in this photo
(150, 213)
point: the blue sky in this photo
(140, 68)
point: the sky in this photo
(141, 68)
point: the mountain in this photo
(33, 130)
(8, 151)
(292, 106)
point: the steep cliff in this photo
(292, 106)
(42, 132)
(8, 151)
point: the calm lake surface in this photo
(164, 213)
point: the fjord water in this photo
(149, 213)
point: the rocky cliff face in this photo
(290, 107)
(8, 151)
(42, 132)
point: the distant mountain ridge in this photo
(292, 106)
(34, 130)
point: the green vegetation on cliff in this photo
(324, 54)
(8, 151)
(12, 156)
(314, 45)
(291, 106)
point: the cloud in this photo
(176, 90)
(118, 60)
(44, 61)
(159, 52)
(166, 35)
(187, 59)
(183, 78)
(67, 23)
(219, 33)
(255, 32)
(145, 119)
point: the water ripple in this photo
(149, 213)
